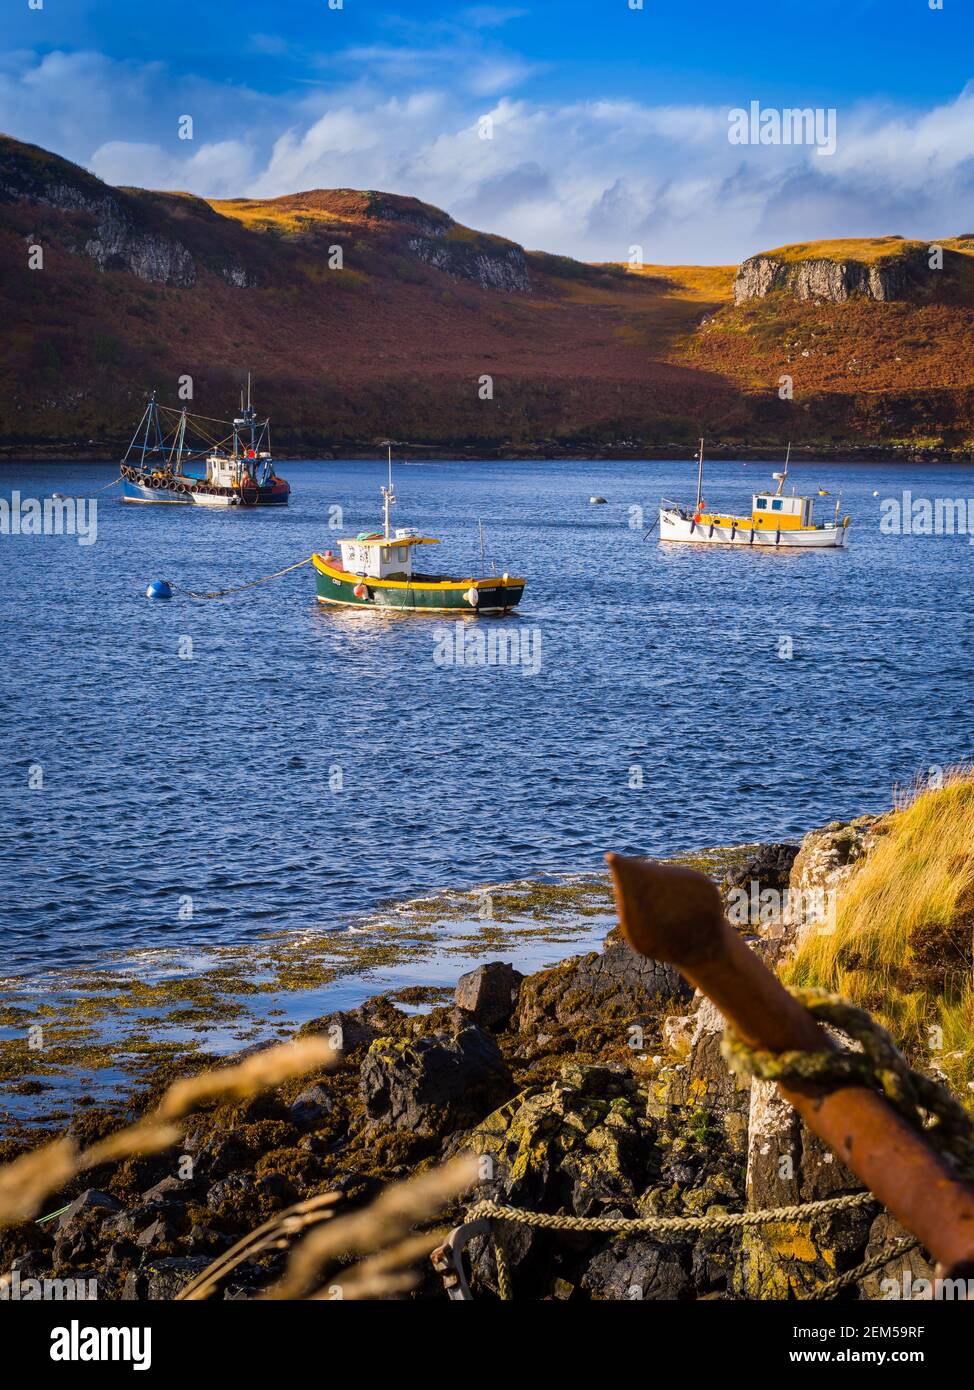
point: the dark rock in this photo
(345, 1031)
(436, 1084)
(169, 1187)
(91, 1203)
(158, 1232)
(33, 1264)
(770, 867)
(701, 1089)
(276, 1188)
(233, 1189)
(161, 1279)
(634, 1270)
(121, 1254)
(311, 1107)
(203, 1240)
(900, 1278)
(314, 1144)
(489, 993)
(580, 1146)
(609, 987)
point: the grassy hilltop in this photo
(139, 288)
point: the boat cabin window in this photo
(373, 560)
(762, 504)
(776, 505)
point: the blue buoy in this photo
(159, 588)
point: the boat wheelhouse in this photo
(777, 520)
(375, 569)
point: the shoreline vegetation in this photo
(592, 1087)
(908, 453)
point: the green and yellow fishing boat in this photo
(375, 570)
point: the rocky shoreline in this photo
(593, 1088)
(542, 452)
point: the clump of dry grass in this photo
(381, 1237)
(903, 943)
(29, 1180)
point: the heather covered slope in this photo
(392, 338)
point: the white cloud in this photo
(491, 16)
(218, 170)
(589, 177)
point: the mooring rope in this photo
(251, 584)
(924, 1103)
(715, 1223)
(852, 1276)
(667, 1225)
(76, 496)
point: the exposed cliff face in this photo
(438, 241)
(822, 278)
(504, 268)
(114, 230)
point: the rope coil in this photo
(923, 1102)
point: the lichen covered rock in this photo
(434, 1085)
(604, 988)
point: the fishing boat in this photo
(778, 520)
(160, 465)
(375, 570)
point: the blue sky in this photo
(609, 125)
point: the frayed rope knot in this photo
(923, 1102)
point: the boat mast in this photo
(149, 414)
(138, 430)
(388, 498)
(700, 477)
(782, 476)
(182, 441)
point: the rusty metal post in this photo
(675, 915)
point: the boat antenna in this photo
(700, 476)
(782, 476)
(388, 498)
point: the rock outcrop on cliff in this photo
(901, 274)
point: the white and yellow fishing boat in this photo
(777, 520)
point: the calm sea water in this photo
(211, 777)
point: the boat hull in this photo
(675, 528)
(135, 491)
(494, 595)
